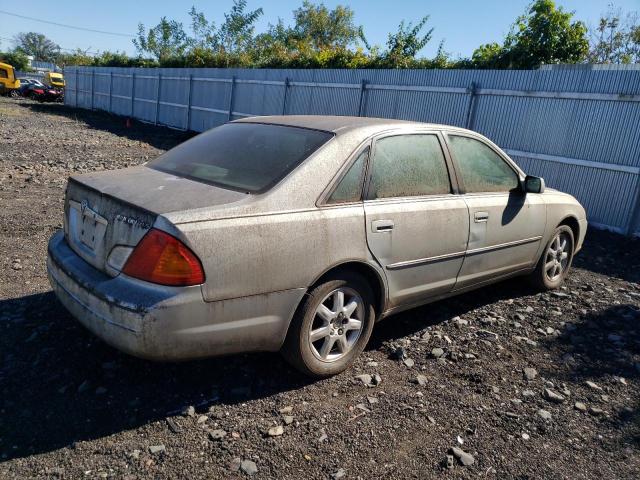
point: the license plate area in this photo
(87, 230)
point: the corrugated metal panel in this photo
(511, 108)
(605, 194)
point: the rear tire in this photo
(331, 326)
(555, 262)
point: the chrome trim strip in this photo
(503, 245)
(420, 261)
(448, 256)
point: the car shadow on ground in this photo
(62, 385)
(157, 136)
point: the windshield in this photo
(250, 157)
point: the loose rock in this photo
(544, 414)
(463, 457)
(552, 396)
(217, 434)
(249, 467)
(437, 352)
(155, 449)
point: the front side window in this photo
(350, 187)
(482, 169)
(251, 157)
(409, 165)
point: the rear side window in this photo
(482, 169)
(250, 157)
(409, 165)
(350, 187)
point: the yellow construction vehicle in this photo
(9, 84)
(54, 79)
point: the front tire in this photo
(555, 262)
(331, 327)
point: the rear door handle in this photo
(382, 225)
(480, 217)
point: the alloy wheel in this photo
(557, 257)
(337, 324)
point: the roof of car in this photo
(334, 123)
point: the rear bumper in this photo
(165, 323)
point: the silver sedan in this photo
(298, 233)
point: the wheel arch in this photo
(572, 222)
(373, 277)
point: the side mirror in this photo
(534, 184)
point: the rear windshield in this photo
(250, 157)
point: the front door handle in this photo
(480, 217)
(382, 225)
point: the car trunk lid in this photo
(117, 208)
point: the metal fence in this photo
(578, 128)
(36, 75)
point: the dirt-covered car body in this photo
(262, 249)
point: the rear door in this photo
(417, 228)
(506, 224)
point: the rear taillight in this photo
(161, 258)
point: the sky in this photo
(463, 25)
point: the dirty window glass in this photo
(3, 73)
(350, 187)
(250, 157)
(409, 165)
(482, 169)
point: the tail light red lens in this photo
(163, 259)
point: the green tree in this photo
(236, 34)
(165, 41)
(77, 57)
(205, 34)
(489, 55)
(16, 59)
(616, 39)
(403, 46)
(543, 35)
(324, 28)
(37, 45)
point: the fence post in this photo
(363, 87)
(188, 122)
(110, 89)
(284, 97)
(93, 83)
(233, 87)
(471, 110)
(158, 98)
(634, 221)
(133, 93)
(77, 88)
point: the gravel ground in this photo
(522, 384)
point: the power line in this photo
(61, 48)
(67, 26)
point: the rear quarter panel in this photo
(258, 254)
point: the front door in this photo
(416, 228)
(505, 224)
